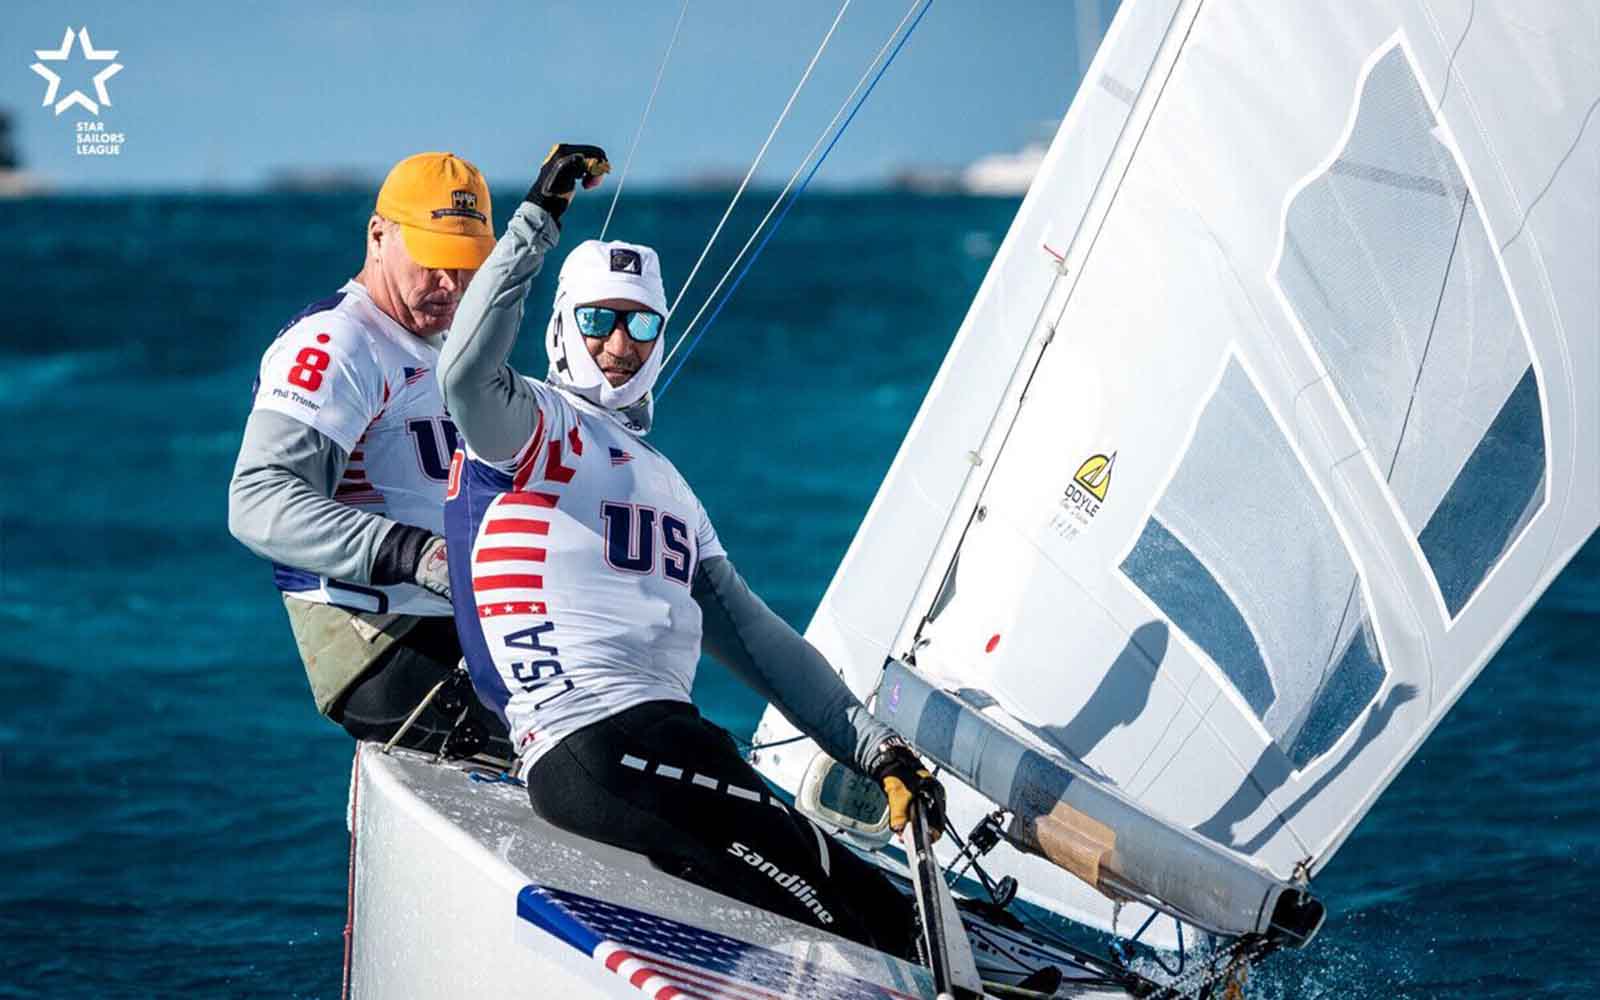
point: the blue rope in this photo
(503, 778)
(667, 382)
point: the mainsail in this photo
(1277, 410)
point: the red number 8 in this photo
(311, 362)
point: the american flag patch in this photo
(415, 375)
(619, 457)
(669, 960)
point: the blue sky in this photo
(211, 96)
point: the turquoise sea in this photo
(171, 805)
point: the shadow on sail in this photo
(1272, 770)
(1119, 698)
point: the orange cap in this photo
(441, 204)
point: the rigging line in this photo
(660, 72)
(798, 170)
(777, 223)
(760, 154)
(1405, 422)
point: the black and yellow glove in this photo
(564, 168)
(905, 777)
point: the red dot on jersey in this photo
(323, 338)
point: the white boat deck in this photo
(458, 889)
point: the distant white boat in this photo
(21, 184)
(1004, 174)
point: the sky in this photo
(210, 96)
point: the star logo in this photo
(77, 97)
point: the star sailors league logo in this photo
(92, 137)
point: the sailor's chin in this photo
(433, 320)
(617, 379)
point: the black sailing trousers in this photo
(377, 704)
(659, 780)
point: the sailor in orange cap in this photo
(341, 475)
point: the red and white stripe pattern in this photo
(641, 973)
(668, 959)
(529, 456)
(508, 560)
(354, 488)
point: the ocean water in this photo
(173, 806)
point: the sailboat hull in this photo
(458, 889)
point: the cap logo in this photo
(462, 203)
(626, 261)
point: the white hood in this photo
(595, 271)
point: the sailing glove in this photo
(409, 554)
(904, 777)
(433, 569)
(565, 166)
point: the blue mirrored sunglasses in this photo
(598, 321)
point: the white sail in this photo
(1232, 504)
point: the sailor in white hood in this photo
(605, 326)
(586, 575)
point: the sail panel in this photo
(1242, 556)
(1390, 271)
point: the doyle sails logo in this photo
(92, 137)
(1094, 474)
(1081, 500)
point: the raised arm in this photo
(492, 406)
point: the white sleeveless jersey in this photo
(571, 567)
(351, 372)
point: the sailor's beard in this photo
(607, 362)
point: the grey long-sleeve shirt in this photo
(496, 410)
(281, 506)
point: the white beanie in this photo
(593, 272)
